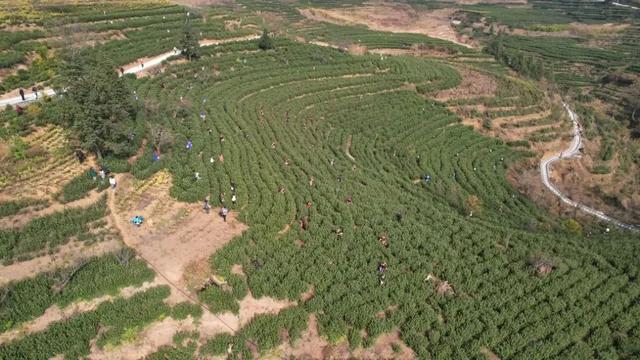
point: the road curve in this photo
(573, 151)
(148, 64)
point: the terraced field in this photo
(340, 163)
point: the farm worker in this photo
(222, 197)
(349, 200)
(112, 182)
(155, 156)
(234, 199)
(224, 212)
(203, 115)
(206, 205)
(141, 65)
(35, 91)
(233, 187)
(121, 71)
(92, 174)
(189, 144)
(333, 162)
(212, 160)
(382, 266)
(309, 204)
(311, 181)
(210, 131)
(22, 94)
(80, 156)
(196, 175)
(102, 174)
(221, 139)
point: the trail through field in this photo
(347, 148)
(573, 151)
(137, 67)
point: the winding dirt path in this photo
(573, 151)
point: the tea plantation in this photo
(330, 154)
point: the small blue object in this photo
(137, 220)
(189, 144)
(155, 156)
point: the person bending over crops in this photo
(112, 182)
(206, 206)
(224, 212)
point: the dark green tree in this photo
(188, 43)
(265, 43)
(96, 103)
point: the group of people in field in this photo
(224, 211)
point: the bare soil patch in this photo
(174, 235)
(392, 17)
(474, 84)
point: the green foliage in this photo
(72, 337)
(526, 64)
(573, 227)
(28, 299)
(265, 42)
(183, 310)
(219, 300)
(48, 232)
(189, 42)
(9, 208)
(174, 353)
(19, 148)
(217, 346)
(80, 186)
(97, 103)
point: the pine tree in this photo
(188, 43)
(265, 42)
(96, 103)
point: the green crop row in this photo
(48, 232)
(27, 299)
(9, 208)
(110, 325)
(80, 186)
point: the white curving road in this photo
(573, 151)
(148, 64)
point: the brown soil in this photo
(312, 346)
(174, 235)
(474, 84)
(392, 17)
